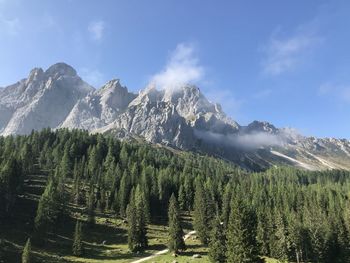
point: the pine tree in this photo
(91, 208)
(28, 158)
(10, 183)
(263, 235)
(61, 196)
(123, 156)
(182, 198)
(124, 191)
(226, 204)
(217, 244)
(48, 210)
(188, 189)
(66, 164)
(176, 241)
(140, 204)
(201, 224)
(77, 240)
(281, 248)
(137, 228)
(132, 226)
(26, 255)
(93, 161)
(241, 234)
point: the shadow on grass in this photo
(157, 247)
(56, 246)
(191, 253)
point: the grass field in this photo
(106, 241)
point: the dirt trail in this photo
(162, 252)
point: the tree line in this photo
(284, 213)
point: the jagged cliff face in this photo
(99, 108)
(182, 118)
(42, 100)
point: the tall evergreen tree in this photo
(189, 195)
(182, 198)
(66, 164)
(263, 235)
(281, 248)
(91, 208)
(201, 224)
(48, 210)
(141, 218)
(132, 226)
(28, 158)
(124, 193)
(217, 244)
(10, 183)
(176, 241)
(241, 234)
(226, 204)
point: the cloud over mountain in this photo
(182, 68)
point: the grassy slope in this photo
(113, 231)
(108, 228)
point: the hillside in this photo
(127, 199)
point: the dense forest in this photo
(284, 213)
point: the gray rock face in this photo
(260, 126)
(171, 116)
(42, 100)
(99, 108)
(154, 119)
(181, 118)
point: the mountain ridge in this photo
(183, 118)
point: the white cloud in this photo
(96, 30)
(93, 77)
(182, 68)
(245, 141)
(285, 54)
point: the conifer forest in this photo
(52, 181)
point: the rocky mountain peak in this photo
(112, 84)
(186, 92)
(181, 117)
(115, 95)
(60, 69)
(261, 126)
(148, 95)
(35, 74)
(43, 99)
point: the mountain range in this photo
(181, 119)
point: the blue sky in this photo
(286, 62)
